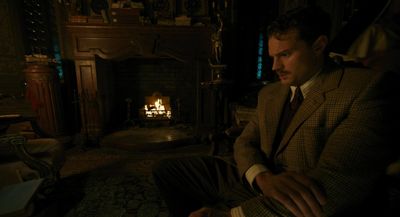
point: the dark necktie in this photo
(288, 112)
(290, 109)
(297, 99)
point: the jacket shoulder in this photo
(270, 87)
(365, 75)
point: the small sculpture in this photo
(216, 39)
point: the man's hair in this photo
(310, 21)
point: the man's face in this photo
(293, 59)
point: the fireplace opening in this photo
(157, 107)
(144, 90)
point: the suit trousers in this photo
(189, 183)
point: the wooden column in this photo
(43, 92)
(90, 104)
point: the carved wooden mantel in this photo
(189, 45)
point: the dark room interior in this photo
(121, 84)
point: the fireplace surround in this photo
(95, 49)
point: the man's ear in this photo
(320, 44)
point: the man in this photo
(320, 141)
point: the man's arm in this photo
(296, 192)
(247, 149)
(357, 153)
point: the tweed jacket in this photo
(340, 136)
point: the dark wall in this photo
(349, 19)
(241, 44)
(11, 55)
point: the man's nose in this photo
(276, 65)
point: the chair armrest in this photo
(13, 144)
(16, 110)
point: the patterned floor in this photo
(149, 138)
(107, 182)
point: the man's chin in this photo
(285, 81)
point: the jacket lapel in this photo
(273, 114)
(328, 80)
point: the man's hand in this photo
(209, 212)
(297, 192)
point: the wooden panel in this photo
(114, 42)
(88, 98)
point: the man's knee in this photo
(161, 167)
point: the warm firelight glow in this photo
(156, 110)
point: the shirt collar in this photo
(305, 88)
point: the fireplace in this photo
(156, 107)
(118, 66)
(133, 84)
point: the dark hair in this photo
(310, 21)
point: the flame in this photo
(157, 110)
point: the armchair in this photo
(23, 159)
(18, 164)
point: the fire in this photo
(157, 110)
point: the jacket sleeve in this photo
(360, 148)
(247, 148)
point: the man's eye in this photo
(285, 54)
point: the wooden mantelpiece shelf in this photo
(90, 45)
(125, 41)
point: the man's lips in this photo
(283, 75)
